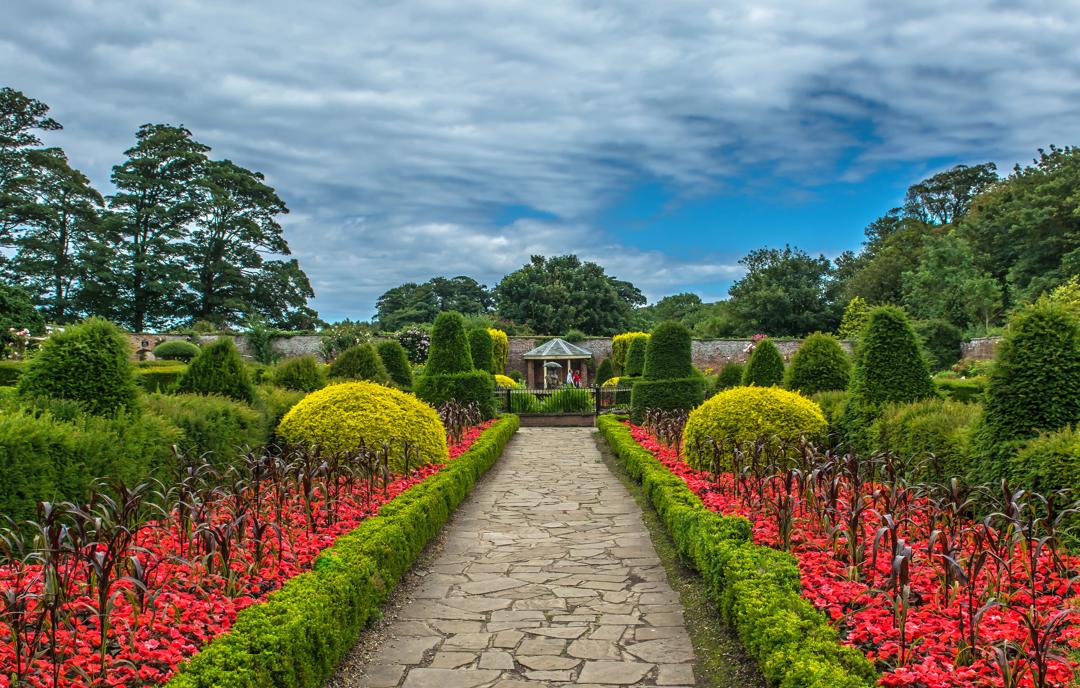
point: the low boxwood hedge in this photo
(297, 637)
(961, 389)
(756, 588)
(160, 378)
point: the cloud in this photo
(397, 131)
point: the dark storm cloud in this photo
(397, 130)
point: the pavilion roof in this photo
(557, 349)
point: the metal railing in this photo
(566, 400)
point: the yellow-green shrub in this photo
(344, 417)
(620, 346)
(500, 349)
(747, 414)
(611, 382)
(503, 381)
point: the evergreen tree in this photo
(359, 362)
(480, 347)
(819, 365)
(218, 369)
(765, 367)
(396, 361)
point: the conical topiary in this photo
(1034, 386)
(890, 368)
(605, 372)
(88, 364)
(765, 367)
(500, 350)
(396, 361)
(449, 351)
(299, 373)
(359, 362)
(670, 381)
(481, 350)
(820, 365)
(218, 369)
(635, 357)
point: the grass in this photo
(722, 661)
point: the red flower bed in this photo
(1025, 601)
(183, 595)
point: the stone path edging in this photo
(547, 578)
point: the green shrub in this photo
(481, 350)
(819, 365)
(1035, 384)
(605, 372)
(730, 375)
(352, 415)
(635, 357)
(667, 395)
(856, 315)
(935, 432)
(449, 346)
(258, 373)
(500, 350)
(756, 588)
(218, 369)
(396, 362)
(941, 340)
(832, 406)
(160, 378)
(44, 458)
(620, 348)
(969, 389)
(11, 371)
(359, 362)
(749, 414)
(1048, 462)
(300, 634)
(474, 386)
(88, 364)
(301, 374)
(516, 376)
(890, 368)
(667, 353)
(176, 350)
(214, 425)
(765, 367)
(273, 403)
(574, 336)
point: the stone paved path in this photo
(548, 578)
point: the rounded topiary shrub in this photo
(88, 364)
(351, 415)
(749, 414)
(218, 369)
(604, 372)
(636, 352)
(500, 350)
(396, 362)
(730, 375)
(450, 352)
(359, 362)
(765, 367)
(176, 350)
(667, 353)
(620, 347)
(481, 351)
(302, 374)
(890, 368)
(819, 365)
(1035, 383)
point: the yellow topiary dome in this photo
(747, 414)
(504, 381)
(342, 417)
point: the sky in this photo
(663, 140)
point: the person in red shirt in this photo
(577, 379)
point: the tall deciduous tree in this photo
(157, 198)
(562, 293)
(945, 282)
(946, 196)
(786, 292)
(60, 219)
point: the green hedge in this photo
(668, 395)
(475, 386)
(756, 588)
(10, 372)
(931, 427)
(214, 424)
(297, 637)
(1048, 462)
(160, 378)
(44, 458)
(967, 390)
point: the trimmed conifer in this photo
(396, 361)
(605, 372)
(449, 351)
(765, 367)
(667, 354)
(820, 365)
(359, 362)
(218, 369)
(635, 357)
(480, 347)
